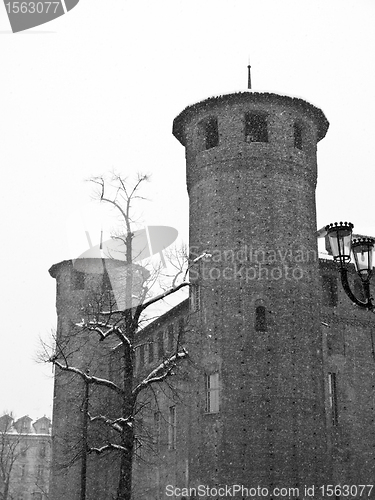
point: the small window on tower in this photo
(78, 280)
(209, 133)
(256, 129)
(260, 319)
(298, 135)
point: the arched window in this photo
(260, 319)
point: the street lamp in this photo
(342, 246)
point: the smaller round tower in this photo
(84, 287)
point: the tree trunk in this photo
(6, 489)
(124, 491)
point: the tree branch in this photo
(142, 307)
(107, 447)
(87, 378)
(98, 326)
(161, 372)
(117, 424)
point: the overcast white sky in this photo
(98, 89)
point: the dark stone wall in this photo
(349, 353)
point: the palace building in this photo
(25, 458)
(277, 390)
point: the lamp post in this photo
(342, 246)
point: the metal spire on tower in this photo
(249, 76)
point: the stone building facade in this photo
(25, 456)
(278, 387)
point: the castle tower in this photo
(83, 286)
(251, 179)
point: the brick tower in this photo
(82, 285)
(251, 179)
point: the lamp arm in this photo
(345, 284)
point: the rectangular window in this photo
(297, 136)
(256, 129)
(157, 430)
(195, 298)
(40, 471)
(42, 451)
(170, 338)
(329, 290)
(141, 355)
(78, 280)
(332, 395)
(172, 428)
(212, 393)
(260, 319)
(181, 331)
(23, 471)
(161, 345)
(211, 133)
(151, 350)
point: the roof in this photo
(93, 264)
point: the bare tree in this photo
(110, 323)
